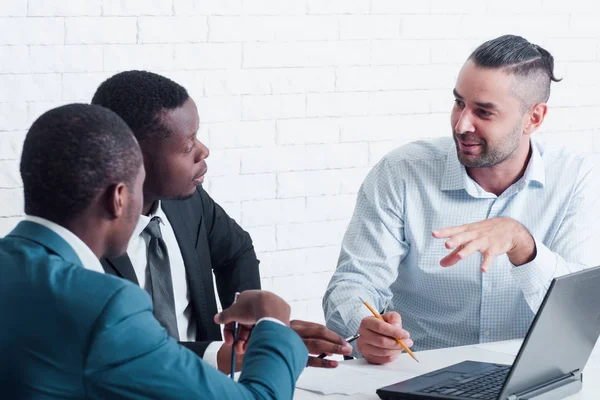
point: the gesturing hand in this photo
(491, 237)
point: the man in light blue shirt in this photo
(462, 236)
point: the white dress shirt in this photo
(137, 250)
(86, 255)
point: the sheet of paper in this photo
(510, 347)
(348, 380)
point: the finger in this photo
(321, 363)
(244, 332)
(481, 245)
(228, 333)
(381, 352)
(234, 313)
(487, 262)
(240, 346)
(317, 346)
(381, 360)
(381, 328)
(451, 258)
(307, 329)
(450, 231)
(392, 318)
(461, 239)
(240, 311)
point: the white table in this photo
(498, 352)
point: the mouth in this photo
(199, 178)
(468, 146)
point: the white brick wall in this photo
(297, 98)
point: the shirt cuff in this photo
(534, 277)
(270, 319)
(210, 354)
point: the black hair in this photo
(70, 155)
(140, 98)
(530, 63)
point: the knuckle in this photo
(321, 330)
(380, 341)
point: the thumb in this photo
(226, 316)
(392, 318)
(221, 318)
(236, 312)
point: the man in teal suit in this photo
(69, 331)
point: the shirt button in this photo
(486, 333)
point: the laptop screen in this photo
(562, 334)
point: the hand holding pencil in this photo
(382, 337)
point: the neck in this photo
(150, 198)
(497, 178)
(148, 206)
(89, 230)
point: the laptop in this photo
(550, 361)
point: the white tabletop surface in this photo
(498, 352)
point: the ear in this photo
(534, 118)
(115, 199)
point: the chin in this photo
(185, 196)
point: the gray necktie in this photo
(159, 282)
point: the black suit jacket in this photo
(210, 242)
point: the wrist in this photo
(272, 306)
(524, 250)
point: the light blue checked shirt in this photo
(390, 258)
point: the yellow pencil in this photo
(400, 342)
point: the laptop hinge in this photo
(556, 389)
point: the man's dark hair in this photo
(532, 65)
(140, 98)
(71, 154)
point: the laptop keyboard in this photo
(484, 386)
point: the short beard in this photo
(489, 156)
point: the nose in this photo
(202, 152)
(464, 123)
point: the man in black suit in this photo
(183, 236)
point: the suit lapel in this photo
(195, 271)
(120, 266)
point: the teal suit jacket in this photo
(67, 332)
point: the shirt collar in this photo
(536, 170)
(455, 175)
(144, 220)
(86, 256)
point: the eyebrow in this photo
(489, 106)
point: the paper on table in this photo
(348, 380)
(510, 347)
